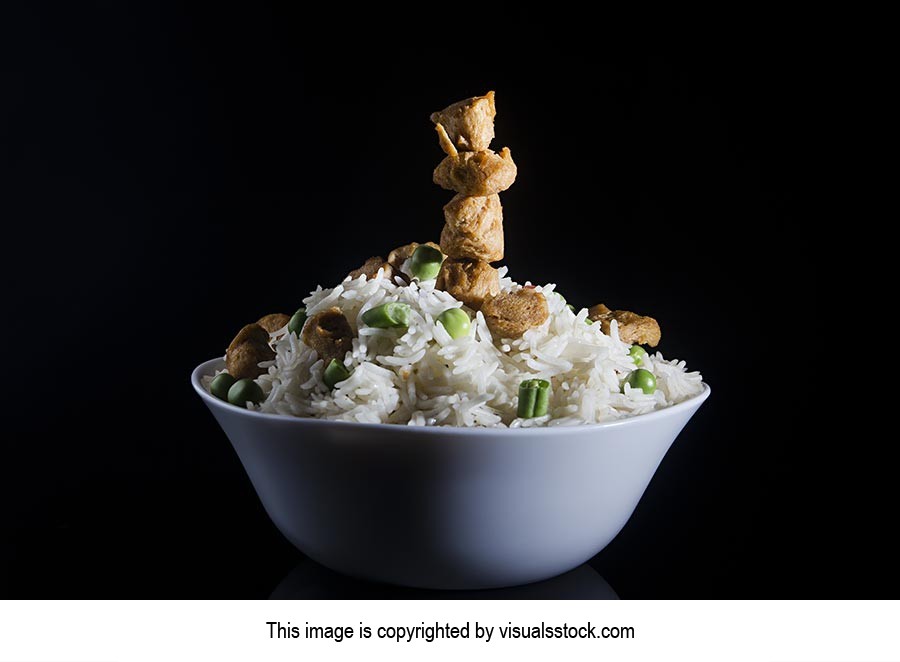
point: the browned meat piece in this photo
(401, 254)
(469, 123)
(273, 322)
(633, 328)
(598, 311)
(249, 347)
(469, 282)
(476, 173)
(510, 314)
(473, 228)
(370, 268)
(328, 333)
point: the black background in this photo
(173, 174)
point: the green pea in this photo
(297, 321)
(534, 398)
(642, 379)
(220, 385)
(244, 391)
(393, 315)
(335, 372)
(456, 322)
(425, 262)
(637, 354)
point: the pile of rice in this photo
(422, 376)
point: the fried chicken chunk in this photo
(401, 254)
(510, 314)
(469, 282)
(469, 124)
(249, 347)
(474, 228)
(329, 333)
(273, 322)
(476, 173)
(633, 328)
(370, 268)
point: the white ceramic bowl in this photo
(445, 507)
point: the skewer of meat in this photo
(472, 237)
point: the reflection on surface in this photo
(311, 581)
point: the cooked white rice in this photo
(421, 376)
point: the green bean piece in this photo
(244, 391)
(542, 405)
(220, 385)
(455, 322)
(297, 321)
(637, 354)
(642, 379)
(534, 398)
(392, 315)
(425, 262)
(527, 398)
(335, 372)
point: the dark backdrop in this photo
(174, 174)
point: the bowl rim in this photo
(209, 367)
